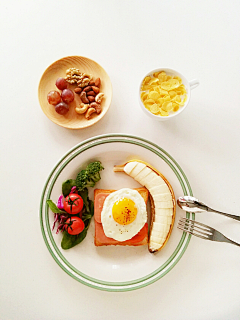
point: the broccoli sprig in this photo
(93, 170)
(88, 177)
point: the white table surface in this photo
(201, 39)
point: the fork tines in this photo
(195, 228)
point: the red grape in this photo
(67, 95)
(54, 97)
(61, 84)
(62, 108)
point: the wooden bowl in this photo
(72, 120)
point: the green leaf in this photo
(69, 241)
(84, 195)
(91, 205)
(54, 208)
(86, 217)
(87, 223)
(67, 186)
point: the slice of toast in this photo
(100, 238)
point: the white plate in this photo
(114, 268)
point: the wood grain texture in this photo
(72, 120)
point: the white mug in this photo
(189, 85)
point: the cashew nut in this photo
(89, 113)
(83, 97)
(97, 107)
(82, 108)
(99, 97)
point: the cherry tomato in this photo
(74, 225)
(73, 203)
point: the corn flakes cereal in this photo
(163, 113)
(144, 96)
(160, 101)
(167, 106)
(154, 108)
(146, 80)
(149, 101)
(172, 94)
(154, 95)
(163, 94)
(166, 98)
(175, 107)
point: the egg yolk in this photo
(124, 211)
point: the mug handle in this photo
(194, 83)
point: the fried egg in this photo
(124, 214)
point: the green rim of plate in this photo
(46, 229)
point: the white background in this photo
(198, 38)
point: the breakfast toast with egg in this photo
(141, 238)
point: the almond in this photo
(91, 93)
(98, 82)
(95, 89)
(78, 90)
(91, 98)
(88, 88)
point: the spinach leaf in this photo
(87, 215)
(53, 207)
(84, 195)
(69, 241)
(91, 205)
(87, 223)
(67, 186)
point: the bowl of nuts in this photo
(75, 92)
(164, 93)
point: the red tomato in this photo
(73, 203)
(74, 225)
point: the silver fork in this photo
(202, 231)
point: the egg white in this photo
(119, 232)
